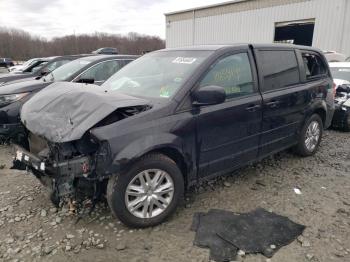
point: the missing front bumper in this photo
(60, 177)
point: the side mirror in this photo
(209, 95)
(86, 80)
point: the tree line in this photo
(20, 45)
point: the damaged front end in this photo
(73, 170)
(341, 117)
(62, 152)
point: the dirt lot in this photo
(31, 229)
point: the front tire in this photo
(147, 193)
(310, 136)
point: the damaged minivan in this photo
(173, 118)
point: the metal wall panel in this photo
(180, 33)
(258, 25)
(346, 29)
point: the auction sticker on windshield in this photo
(184, 60)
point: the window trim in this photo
(252, 69)
(318, 77)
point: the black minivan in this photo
(174, 117)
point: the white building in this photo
(321, 23)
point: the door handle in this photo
(252, 108)
(273, 104)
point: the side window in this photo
(314, 66)
(102, 71)
(232, 73)
(279, 69)
(56, 64)
(36, 67)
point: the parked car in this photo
(6, 62)
(341, 75)
(106, 51)
(37, 69)
(172, 118)
(91, 69)
(19, 68)
(3, 70)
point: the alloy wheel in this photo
(312, 136)
(149, 193)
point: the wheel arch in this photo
(322, 113)
(166, 144)
(175, 155)
(318, 107)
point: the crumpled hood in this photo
(64, 111)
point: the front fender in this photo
(144, 145)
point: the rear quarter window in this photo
(279, 69)
(314, 66)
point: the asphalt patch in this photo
(258, 231)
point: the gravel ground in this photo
(31, 229)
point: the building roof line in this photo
(205, 7)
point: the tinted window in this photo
(314, 65)
(64, 72)
(232, 73)
(102, 71)
(52, 66)
(279, 69)
(37, 67)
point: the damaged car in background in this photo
(341, 75)
(172, 118)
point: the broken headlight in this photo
(9, 99)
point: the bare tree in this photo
(20, 45)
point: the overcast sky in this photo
(49, 18)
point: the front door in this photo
(228, 133)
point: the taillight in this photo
(334, 89)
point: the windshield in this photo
(29, 62)
(342, 73)
(34, 66)
(64, 72)
(158, 74)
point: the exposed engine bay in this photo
(341, 116)
(74, 170)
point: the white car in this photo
(340, 72)
(341, 76)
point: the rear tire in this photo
(346, 126)
(147, 193)
(310, 136)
